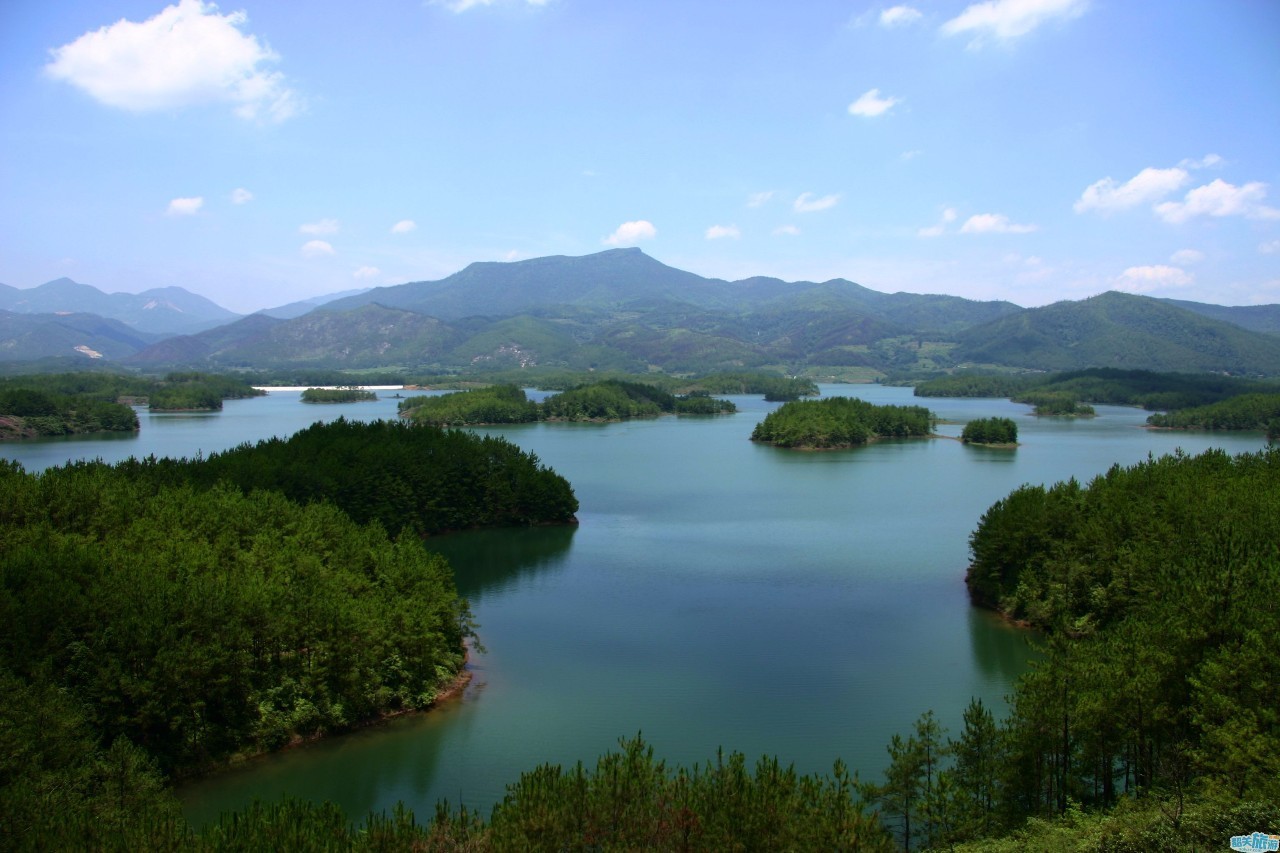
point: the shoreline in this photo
(451, 692)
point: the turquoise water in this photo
(716, 594)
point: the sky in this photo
(262, 152)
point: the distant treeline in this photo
(1105, 385)
(840, 422)
(609, 400)
(1055, 404)
(1248, 411)
(74, 403)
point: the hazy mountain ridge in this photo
(161, 310)
(30, 337)
(622, 310)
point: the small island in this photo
(991, 432)
(1056, 405)
(840, 422)
(346, 394)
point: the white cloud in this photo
(630, 233)
(786, 231)
(809, 203)
(240, 195)
(1270, 247)
(948, 216)
(993, 223)
(1149, 278)
(460, 6)
(1148, 185)
(316, 249)
(185, 206)
(1006, 20)
(324, 226)
(187, 54)
(1219, 198)
(363, 272)
(898, 16)
(1186, 257)
(870, 104)
(910, 155)
(717, 232)
(759, 199)
(404, 226)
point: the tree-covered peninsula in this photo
(837, 422)
(80, 403)
(1246, 412)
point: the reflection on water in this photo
(487, 561)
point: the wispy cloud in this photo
(948, 216)
(324, 226)
(404, 226)
(899, 16)
(630, 233)
(459, 6)
(1219, 198)
(809, 203)
(316, 249)
(366, 272)
(870, 104)
(1148, 185)
(720, 232)
(786, 231)
(1270, 247)
(994, 223)
(240, 195)
(1006, 20)
(187, 54)
(1186, 257)
(759, 199)
(185, 206)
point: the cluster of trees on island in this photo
(79, 403)
(837, 422)
(1000, 431)
(609, 400)
(345, 394)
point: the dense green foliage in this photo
(338, 395)
(407, 477)
(1056, 404)
(779, 389)
(975, 385)
(1157, 586)
(27, 413)
(85, 402)
(202, 623)
(840, 422)
(1248, 411)
(990, 431)
(610, 400)
(497, 404)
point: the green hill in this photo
(1119, 330)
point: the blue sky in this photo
(260, 152)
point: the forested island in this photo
(347, 394)
(1246, 412)
(608, 400)
(997, 432)
(81, 403)
(839, 422)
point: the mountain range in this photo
(623, 310)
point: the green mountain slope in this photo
(1119, 330)
(1255, 318)
(28, 337)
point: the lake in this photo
(717, 594)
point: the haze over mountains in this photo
(621, 309)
